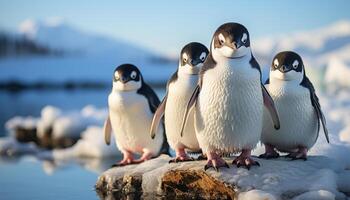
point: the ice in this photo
(319, 195)
(48, 116)
(91, 144)
(257, 195)
(23, 122)
(10, 147)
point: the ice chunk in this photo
(257, 195)
(91, 144)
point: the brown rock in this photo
(190, 184)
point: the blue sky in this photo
(167, 26)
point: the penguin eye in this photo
(133, 75)
(116, 76)
(244, 38)
(202, 56)
(184, 57)
(221, 39)
(275, 63)
(295, 64)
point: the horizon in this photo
(114, 19)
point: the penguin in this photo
(179, 89)
(298, 107)
(229, 99)
(132, 104)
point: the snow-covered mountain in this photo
(56, 34)
(317, 47)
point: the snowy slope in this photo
(86, 57)
(57, 34)
(315, 46)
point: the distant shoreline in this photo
(20, 86)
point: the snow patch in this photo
(91, 144)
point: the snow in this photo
(274, 179)
(91, 144)
(317, 47)
(57, 34)
(320, 195)
(48, 116)
(63, 124)
(337, 73)
(257, 195)
(24, 122)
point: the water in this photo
(27, 177)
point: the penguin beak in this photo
(124, 79)
(232, 45)
(285, 68)
(195, 62)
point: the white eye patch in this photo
(133, 74)
(116, 76)
(184, 57)
(295, 64)
(202, 56)
(275, 63)
(221, 38)
(244, 38)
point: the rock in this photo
(29, 134)
(191, 184)
(275, 179)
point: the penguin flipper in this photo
(316, 104)
(192, 101)
(320, 115)
(270, 105)
(159, 113)
(107, 129)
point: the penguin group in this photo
(216, 105)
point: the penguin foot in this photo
(216, 164)
(297, 156)
(124, 163)
(215, 161)
(244, 160)
(145, 156)
(181, 159)
(128, 159)
(301, 154)
(269, 155)
(202, 157)
(269, 152)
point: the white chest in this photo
(179, 94)
(297, 116)
(131, 119)
(230, 107)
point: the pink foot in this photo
(245, 160)
(269, 152)
(181, 156)
(215, 161)
(128, 159)
(145, 156)
(300, 154)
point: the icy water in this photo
(27, 177)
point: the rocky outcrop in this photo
(275, 179)
(25, 135)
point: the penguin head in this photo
(231, 40)
(287, 66)
(127, 77)
(192, 57)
